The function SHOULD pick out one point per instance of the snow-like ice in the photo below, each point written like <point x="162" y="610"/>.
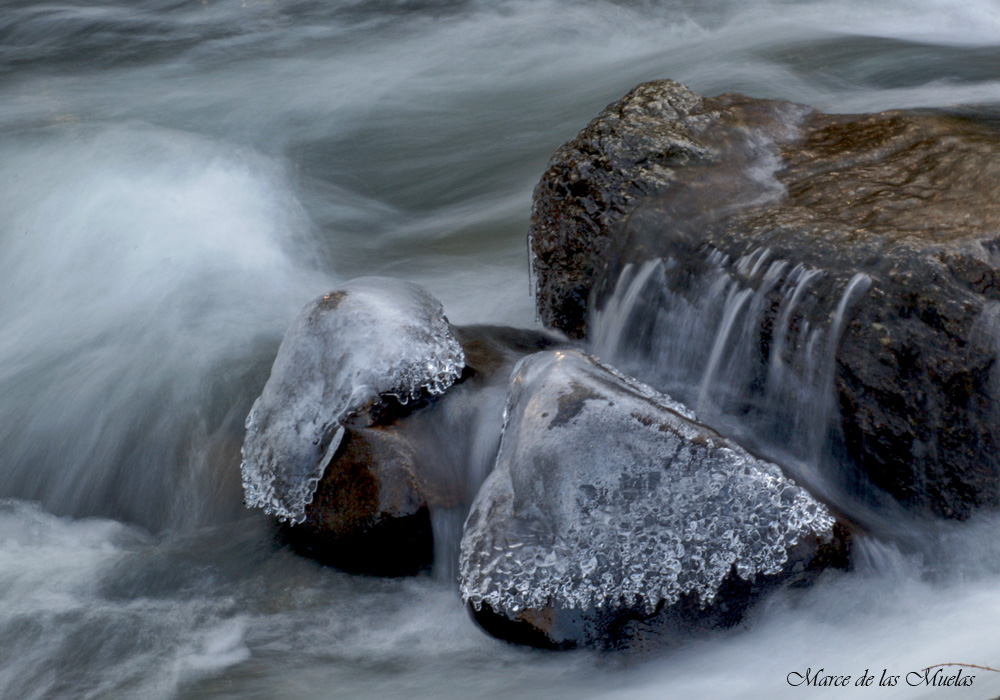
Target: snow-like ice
<point x="344" y="354"/>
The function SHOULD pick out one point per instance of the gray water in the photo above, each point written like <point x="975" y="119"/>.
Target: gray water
<point x="180" y="177"/>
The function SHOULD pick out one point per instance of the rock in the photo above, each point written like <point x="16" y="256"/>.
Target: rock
<point x="369" y="513"/>
<point x="635" y="148"/>
<point x="905" y="202"/>
<point x="612" y="514"/>
<point x="347" y="356"/>
<point x="360" y="408"/>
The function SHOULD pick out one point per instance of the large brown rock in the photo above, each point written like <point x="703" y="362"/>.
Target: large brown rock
<point x="906" y="203"/>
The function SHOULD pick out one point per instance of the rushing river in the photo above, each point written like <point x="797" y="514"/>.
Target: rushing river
<point x="178" y="177"/>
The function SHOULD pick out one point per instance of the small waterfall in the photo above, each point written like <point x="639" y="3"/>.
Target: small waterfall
<point x="735" y="301"/>
<point x="750" y="343"/>
<point x="617" y="314"/>
<point x="446" y="527"/>
<point x="875" y="557"/>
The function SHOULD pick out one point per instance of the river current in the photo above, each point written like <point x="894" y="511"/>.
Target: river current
<point x="178" y="177"/>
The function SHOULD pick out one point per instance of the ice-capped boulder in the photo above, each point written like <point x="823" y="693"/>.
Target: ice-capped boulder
<point x="609" y="502"/>
<point x="350" y="353"/>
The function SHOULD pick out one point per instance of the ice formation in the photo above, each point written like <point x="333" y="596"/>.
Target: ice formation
<point x="344" y="353"/>
<point x="605" y="495"/>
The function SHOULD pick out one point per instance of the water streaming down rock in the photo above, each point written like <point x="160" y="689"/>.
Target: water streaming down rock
<point x="447" y="525"/>
<point x="751" y="343"/>
<point x="344" y="356"/>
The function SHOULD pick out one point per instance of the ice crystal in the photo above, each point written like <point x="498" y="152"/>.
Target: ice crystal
<point x="605" y="495"/>
<point x="344" y="354"/>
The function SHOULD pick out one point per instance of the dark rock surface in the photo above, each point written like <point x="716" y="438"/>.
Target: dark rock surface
<point x="612" y="516"/>
<point x="907" y="199"/>
<point x="369" y="513"/>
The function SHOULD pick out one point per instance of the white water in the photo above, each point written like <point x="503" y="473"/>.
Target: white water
<point x="180" y="177"/>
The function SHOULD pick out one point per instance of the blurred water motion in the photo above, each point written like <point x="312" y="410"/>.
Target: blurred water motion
<point x="180" y="177"/>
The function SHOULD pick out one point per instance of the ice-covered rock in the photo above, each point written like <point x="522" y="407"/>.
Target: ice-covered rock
<point x="387" y="498"/>
<point x="347" y="354"/>
<point x="609" y="501"/>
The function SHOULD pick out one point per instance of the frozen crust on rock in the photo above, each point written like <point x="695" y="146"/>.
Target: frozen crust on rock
<point x="605" y="496"/>
<point x="344" y="354"/>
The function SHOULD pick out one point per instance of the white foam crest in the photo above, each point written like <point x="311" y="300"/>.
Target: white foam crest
<point x="134" y="262"/>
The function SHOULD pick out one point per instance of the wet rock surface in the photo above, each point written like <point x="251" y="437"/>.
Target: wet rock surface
<point x="612" y="516"/>
<point x="369" y="513"/>
<point x="906" y="199"/>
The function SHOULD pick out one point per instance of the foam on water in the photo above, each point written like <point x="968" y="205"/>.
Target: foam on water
<point x="68" y="634"/>
<point x="92" y="609"/>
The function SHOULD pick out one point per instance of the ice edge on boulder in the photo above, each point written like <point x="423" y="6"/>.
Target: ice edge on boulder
<point x="346" y="353"/>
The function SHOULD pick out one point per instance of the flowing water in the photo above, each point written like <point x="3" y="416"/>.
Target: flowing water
<point x="746" y="346"/>
<point x="179" y="177"/>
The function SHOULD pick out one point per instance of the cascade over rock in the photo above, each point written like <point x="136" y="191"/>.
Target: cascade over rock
<point x="900" y="208"/>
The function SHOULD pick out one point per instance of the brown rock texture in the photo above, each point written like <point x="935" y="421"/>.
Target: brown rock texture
<point x="368" y="514"/>
<point x="909" y="199"/>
